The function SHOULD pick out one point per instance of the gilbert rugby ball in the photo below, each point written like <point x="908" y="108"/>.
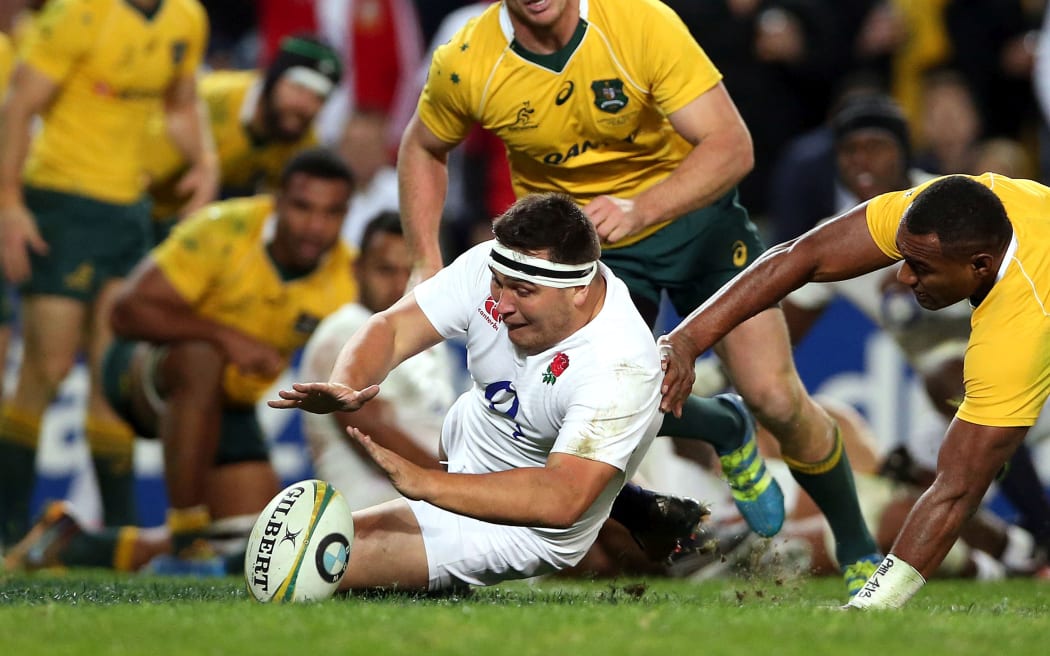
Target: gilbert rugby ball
<point x="300" y="544"/>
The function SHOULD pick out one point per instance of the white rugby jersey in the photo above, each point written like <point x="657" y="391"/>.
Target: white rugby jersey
<point x="419" y="390"/>
<point x="594" y="395"/>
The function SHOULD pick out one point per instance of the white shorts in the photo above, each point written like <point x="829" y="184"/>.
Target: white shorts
<point x="463" y="550"/>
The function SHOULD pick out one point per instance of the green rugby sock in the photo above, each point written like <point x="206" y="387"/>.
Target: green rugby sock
<point x="831" y="486"/>
<point x="712" y="420"/>
<point x="17" y="478"/>
<point x="112" y="445"/>
<point x="91" y="549"/>
<point x="116" y="486"/>
<point x="19" y="434"/>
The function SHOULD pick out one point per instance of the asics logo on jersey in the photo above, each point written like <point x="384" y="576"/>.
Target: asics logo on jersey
<point x="739" y="253"/>
<point x="564" y="94"/>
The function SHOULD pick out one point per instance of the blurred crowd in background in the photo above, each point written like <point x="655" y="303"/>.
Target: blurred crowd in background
<point x="967" y="74"/>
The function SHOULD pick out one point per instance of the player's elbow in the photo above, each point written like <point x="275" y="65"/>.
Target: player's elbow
<point x="566" y="510"/>
<point x="559" y="518"/>
<point x="742" y="153"/>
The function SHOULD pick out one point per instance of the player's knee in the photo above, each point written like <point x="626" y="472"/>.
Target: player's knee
<point x="776" y="401"/>
<point x="46" y="372"/>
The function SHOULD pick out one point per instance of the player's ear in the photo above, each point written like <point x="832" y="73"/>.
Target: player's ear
<point x="982" y="265"/>
<point x="580" y="295"/>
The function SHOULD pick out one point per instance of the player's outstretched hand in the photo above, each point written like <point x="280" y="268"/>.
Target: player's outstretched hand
<point x="406" y="477"/>
<point x="322" y="398"/>
<point x="678" y="363"/>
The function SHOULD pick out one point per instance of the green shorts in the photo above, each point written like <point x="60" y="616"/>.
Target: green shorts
<point x="691" y="257"/>
<point x="90" y="242"/>
<point x="160" y="228"/>
<point x="240" y="439"/>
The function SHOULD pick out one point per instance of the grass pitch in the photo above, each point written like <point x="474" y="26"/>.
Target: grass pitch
<point x="103" y="613"/>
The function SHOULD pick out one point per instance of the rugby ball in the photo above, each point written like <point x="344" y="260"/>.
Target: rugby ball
<point x="300" y="544"/>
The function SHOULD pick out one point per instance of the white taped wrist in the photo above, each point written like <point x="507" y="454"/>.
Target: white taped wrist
<point x="893" y="583"/>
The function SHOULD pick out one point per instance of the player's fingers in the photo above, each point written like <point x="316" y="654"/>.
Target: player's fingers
<point x="16" y="266"/>
<point x="291" y="395"/>
<point x="36" y="242"/>
<point x="616" y="232"/>
<point x="282" y="404"/>
<point x="367" y="394"/>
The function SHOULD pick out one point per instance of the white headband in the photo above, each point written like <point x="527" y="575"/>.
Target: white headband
<point x="538" y="270"/>
<point x="313" y="80"/>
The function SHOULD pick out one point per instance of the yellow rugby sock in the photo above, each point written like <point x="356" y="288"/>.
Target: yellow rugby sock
<point x="186" y="525"/>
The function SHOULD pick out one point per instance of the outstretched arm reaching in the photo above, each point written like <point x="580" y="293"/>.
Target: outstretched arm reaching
<point x="839" y="249"/>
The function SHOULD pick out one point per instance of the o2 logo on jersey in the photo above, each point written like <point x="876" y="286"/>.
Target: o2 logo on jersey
<point x="503" y="398"/>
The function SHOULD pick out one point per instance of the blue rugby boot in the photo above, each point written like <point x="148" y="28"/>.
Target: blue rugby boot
<point x="198" y="560"/>
<point x="757" y="494"/>
<point x="857" y="574"/>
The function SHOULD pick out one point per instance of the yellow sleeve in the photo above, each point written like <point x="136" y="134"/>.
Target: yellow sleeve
<point x="884" y="214"/>
<point x="678" y="69"/>
<point x="191" y="61"/>
<point x="444" y="105"/>
<point x="191" y="257"/>
<point x="7" y="55"/>
<point x="1006" y="378"/>
<point x="64" y="31"/>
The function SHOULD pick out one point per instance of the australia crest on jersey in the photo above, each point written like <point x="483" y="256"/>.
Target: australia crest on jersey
<point x="609" y="96"/>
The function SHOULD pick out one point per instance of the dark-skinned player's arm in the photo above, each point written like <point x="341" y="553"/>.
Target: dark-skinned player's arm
<point x="836" y="250"/>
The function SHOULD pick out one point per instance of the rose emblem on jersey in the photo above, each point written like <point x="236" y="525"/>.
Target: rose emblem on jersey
<point x="556" y="368"/>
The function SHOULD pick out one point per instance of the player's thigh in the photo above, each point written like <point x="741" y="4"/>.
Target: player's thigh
<point x="463" y="551"/>
<point x="388" y="550"/>
<point x="757" y="355"/>
<point x="51" y="336"/>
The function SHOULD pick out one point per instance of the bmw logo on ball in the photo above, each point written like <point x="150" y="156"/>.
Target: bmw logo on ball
<point x="331" y="557"/>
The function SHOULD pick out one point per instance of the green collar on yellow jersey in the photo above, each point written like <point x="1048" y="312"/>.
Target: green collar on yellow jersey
<point x="555" y="61"/>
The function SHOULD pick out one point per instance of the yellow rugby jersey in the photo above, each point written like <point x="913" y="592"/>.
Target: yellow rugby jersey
<point x="217" y="261"/>
<point x="588" y="120"/>
<point x="230" y="97"/>
<point x="1007" y="366"/>
<point x="7" y="56"/>
<point x="113" y="64"/>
